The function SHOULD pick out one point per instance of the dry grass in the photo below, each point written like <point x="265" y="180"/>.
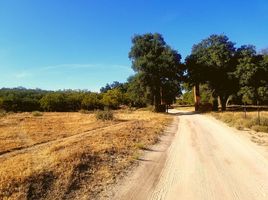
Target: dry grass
<point x="250" y="122"/>
<point x="184" y="108"/>
<point x="24" y="129"/>
<point x="78" y="157"/>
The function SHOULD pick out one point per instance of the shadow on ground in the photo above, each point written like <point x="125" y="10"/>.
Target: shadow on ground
<point x="179" y="113"/>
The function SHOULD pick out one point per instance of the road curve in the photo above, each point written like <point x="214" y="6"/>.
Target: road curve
<point x="202" y="160"/>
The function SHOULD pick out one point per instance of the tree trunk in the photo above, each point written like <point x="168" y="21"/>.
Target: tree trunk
<point x="157" y="99"/>
<point x="223" y="103"/>
<point x="228" y="100"/>
<point x="196" y="97"/>
<point x="215" y="104"/>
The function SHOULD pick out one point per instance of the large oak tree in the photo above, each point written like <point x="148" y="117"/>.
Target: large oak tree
<point x="158" y="66"/>
<point x="212" y="61"/>
<point x="252" y="72"/>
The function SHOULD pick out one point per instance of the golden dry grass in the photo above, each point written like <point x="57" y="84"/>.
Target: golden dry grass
<point x="250" y="122"/>
<point x="185" y="108"/>
<point x="70" y="155"/>
<point x="24" y="129"/>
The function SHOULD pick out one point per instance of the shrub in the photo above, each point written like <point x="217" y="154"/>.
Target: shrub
<point x="104" y="115"/>
<point x="37" y="113"/>
<point x="91" y="101"/>
<point x="112" y="98"/>
<point x="53" y="102"/>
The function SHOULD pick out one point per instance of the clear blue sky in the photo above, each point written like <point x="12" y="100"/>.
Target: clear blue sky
<point x="83" y="44"/>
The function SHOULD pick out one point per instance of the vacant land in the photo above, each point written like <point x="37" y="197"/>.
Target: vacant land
<point x="256" y="127"/>
<point x="70" y="155"/>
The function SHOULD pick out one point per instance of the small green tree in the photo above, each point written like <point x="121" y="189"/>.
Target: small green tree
<point x="53" y="102"/>
<point x="73" y="100"/>
<point x="91" y="101"/>
<point x="188" y="98"/>
<point x="136" y="94"/>
<point x="112" y="98"/>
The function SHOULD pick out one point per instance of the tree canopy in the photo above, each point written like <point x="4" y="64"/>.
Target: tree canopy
<point x="252" y="72"/>
<point x="227" y="70"/>
<point x="212" y="62"/>
<point x="221" y="70"/>
<point x="158" y="67"/>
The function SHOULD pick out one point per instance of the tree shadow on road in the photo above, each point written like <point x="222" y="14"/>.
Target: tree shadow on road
<point x="179" y="113"/>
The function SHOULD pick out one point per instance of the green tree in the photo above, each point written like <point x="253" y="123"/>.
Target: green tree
<point x="158" y="67"/>
<point x="91" y="101"/>
<point x="205" y="94"/>
<point x="73" y="100"/>
<point x="252" y="71"/>
<point x="113" y="98"/>
<point x="136" y="94"/>
<point x="196" y="74"/>
<point x="53" y="102"/>
<point x="20" y="99"/>
<point x="187" y="97"/>
<point x="212" y="61"/>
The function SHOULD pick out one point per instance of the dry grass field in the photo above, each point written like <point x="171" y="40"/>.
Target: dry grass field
<point x="250" y="122"/>
<point x="70" y="155"/>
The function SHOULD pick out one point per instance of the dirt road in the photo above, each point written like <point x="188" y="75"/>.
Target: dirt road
<point x="204" y="159"/>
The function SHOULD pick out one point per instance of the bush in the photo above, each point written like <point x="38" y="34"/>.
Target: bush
<point x="104" y="115"/>
<point x="55" y="101"/>
<point x="112" y="98"/>
<point x="91" y="101"/>
<point x="37" y="113"/>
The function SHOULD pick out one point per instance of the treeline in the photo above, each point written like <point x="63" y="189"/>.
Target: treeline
<point x="218" y="71"/>
<point x="158" y="75"/>
<point x="27" y="100"/>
